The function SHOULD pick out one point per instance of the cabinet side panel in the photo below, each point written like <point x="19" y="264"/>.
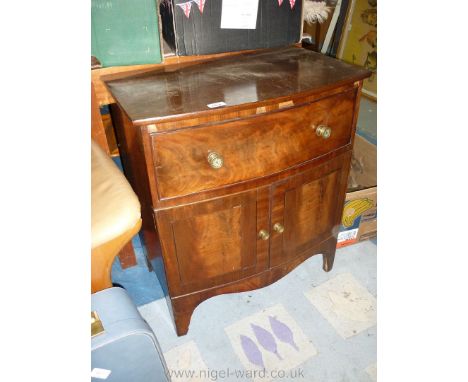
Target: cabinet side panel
<point x="133" y="161"/>
<point x="357" y="103"/>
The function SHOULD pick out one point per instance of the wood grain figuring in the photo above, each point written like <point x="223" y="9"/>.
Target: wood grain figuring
<point x="99" y="75"/>
<point x="247" y="78"/>
<point x="251" y="148"/>
<point x="213" y="242"/>
<point x="183" y="306"/>
<point x="132" y="156"/>
<point x="312" y="202"/>
<point x="229" y="189"/>
<point x="205" y="222"/>
<point x="305" y="205"/>
<point x="245" y="110"/>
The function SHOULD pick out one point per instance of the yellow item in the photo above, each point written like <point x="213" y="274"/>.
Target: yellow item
<point x="355" y="208"/>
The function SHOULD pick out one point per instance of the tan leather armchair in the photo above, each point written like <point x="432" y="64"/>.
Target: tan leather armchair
<point x="115" y="216"/>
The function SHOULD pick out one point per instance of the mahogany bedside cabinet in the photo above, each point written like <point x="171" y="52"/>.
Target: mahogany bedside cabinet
<point x="240" y="165"/>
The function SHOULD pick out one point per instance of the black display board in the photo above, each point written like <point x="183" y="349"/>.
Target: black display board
<point x="201" y="33"/>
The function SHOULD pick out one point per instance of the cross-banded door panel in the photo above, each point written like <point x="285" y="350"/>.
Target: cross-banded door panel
<point x="215" y="242"/>
<point x="306" y="209"/>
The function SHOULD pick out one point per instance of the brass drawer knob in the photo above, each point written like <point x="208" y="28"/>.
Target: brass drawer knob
<point x="215" y="160"/>
<point x="278" y="227"/>
<point x="323" y="131"/>
<point x="264" y="235"/>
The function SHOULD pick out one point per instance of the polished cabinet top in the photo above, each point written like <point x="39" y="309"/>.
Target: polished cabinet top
<point x="181" y="90"/>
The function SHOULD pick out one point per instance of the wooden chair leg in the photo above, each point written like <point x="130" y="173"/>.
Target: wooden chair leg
<point x="127" y="256"/>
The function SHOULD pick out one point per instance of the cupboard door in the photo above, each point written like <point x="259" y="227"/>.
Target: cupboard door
<point x="307" y="208"/>
<point x="212" y="243"/>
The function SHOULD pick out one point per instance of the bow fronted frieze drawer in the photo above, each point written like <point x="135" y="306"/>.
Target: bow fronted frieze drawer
<point x="185" y="160"/>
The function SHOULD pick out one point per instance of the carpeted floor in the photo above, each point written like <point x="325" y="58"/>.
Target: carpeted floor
<point x="310" y="325"/>
<point x="141" y="284"/>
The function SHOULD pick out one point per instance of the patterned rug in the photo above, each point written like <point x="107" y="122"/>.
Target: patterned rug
<point x="310" y="326"/>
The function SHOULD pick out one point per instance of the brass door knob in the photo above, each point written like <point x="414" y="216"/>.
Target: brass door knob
<point x="323" y="131"/>
<point x="278" y="227"/>
<point x="215" y="160"/>
<point x="263" y="234"/>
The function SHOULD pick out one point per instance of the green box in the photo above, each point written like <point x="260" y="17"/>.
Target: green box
<point x="125" y="32"/>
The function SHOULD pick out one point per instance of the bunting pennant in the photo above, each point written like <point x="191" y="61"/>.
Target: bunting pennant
<point x="186" y="8"/>
<point x="201" y="4"/>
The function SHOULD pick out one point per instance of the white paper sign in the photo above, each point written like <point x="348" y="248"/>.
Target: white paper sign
<point x="100" y="373"/>
<point x="216" y="104"/>
<point x="239" y="14"/>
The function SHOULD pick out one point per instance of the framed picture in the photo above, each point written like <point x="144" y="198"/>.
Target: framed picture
<point x="359" y="42"/>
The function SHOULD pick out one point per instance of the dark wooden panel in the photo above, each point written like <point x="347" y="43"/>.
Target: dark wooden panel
<point x="209" y="245"/>
<point x="310" y="208"/>
<point x="214" y="242"/>
<point x="242" y="186"/>
<point x="169" y="92"/>
<point x="306" y="205"/>
<point x="132" y="155"/>
<point x="251" y="148"/>
<point x="127" y="256"/>
<point x="243" y="111"/>
<point x="183" y="306"/>
<point x="202" y="33"/>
